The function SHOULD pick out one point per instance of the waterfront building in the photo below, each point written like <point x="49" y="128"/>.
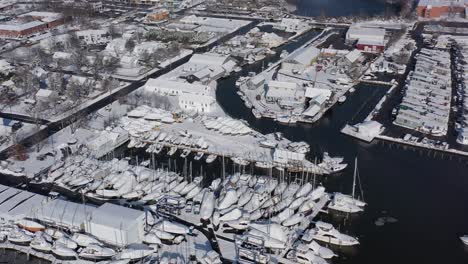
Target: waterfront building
<point x="369" y="39"/>
<point x="116" y="225"/>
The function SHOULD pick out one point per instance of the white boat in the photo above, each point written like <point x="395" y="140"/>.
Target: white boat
<point x="158" y="149"/>
<point x="304" y="190"/>
<point x="293" y="220"/>
<point x="19" y="237"/>
<point x="67" y="242"/>
<point x="317" y="193"/>
<point x="63" y="252"/>
<point x="172" y="227"/>
<point x="347" y="203"/>
<point x="136" y="252"/>
<point x="256" y="113"/>
<point x="283" y="119"/>
<point x="352" y="90"/>
<point x="305" y="257"/>
<point x="172" y="151"/>
<point x="464" y="239"/>
<point x="232" y="215"/>
<point x="208" y="206"/>
<point x="198" y="156"/>
<point x="211" y="158"/>
<point x="39" y="243"/>
<point x="185" y="153"/>
<point x="163" y="235"/>
<point x="54" y="233"/>
<point x="229" y="199"/>
<point x="253" y="256"/>
<point x="333" y="160"/>
<point x="342" y="99"/>
<point x="321" y="251"/>
<point x="325" y="232"/>
<point x="83" y="240"/>
<point x="211" y="257"/>
<point x="96" y="252"/>
<point x="152" y="238"/>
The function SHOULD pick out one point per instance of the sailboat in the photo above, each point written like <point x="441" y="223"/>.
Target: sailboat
<point x="347" y="203"/>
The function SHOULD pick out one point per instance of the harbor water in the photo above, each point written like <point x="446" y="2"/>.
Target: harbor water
<point x="347" y="8"/>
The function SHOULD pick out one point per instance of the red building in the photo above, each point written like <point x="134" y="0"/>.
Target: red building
<point x="441" y="8"/>
<point x="31" y="23"/>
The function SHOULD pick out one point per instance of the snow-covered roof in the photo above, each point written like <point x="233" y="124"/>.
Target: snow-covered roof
<point x="209" y="58"/>
<point x="312" y="111"/>
<point x="316" y="92"/>
<point x="282" y="85"/>
<point x="64" y="213"/>
<point x="161" y="83"/>
<point x="353" y="55"/>
<point x="198" y="99"/>
<point x="306" y="56"/>
<point x="115" y="216"/>
<point x="44" y="93"/>
<point x="16" y="204"/>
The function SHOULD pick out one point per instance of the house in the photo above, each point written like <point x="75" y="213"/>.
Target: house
<point x="93" y="36"/>
<point x="367" y="38"/>
<point x="46" y="96"/>
<point x="353" y="57"/>
<point x="173" y="88"/>
<point x="158" y="15"/>
<point x="198" y="61"/>
<point x="116" y="225"/>
<point x="196" y="103"/>
<point x="278" y="91"/>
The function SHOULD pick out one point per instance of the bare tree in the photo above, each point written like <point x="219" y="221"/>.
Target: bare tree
<point x="130" y="45"/>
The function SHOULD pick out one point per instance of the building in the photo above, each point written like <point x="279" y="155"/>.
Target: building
<point x="366" y="38"/>
<point x="116" y="225"/>
<point x="196" y="103"/>
<point x="93" y="36"/>
<point x="441" y="8"/>
<point x="278" y="91"/>
<point x="17" y="204"/>
<point x="158" y="15"/>
<point x="106" y="142"/>
<point x="46" y="96"/>
<point x="31" y="23"/>
<point x="173" y="88"/>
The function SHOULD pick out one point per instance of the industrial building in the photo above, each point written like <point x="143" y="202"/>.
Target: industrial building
<point x="31" y="23"/>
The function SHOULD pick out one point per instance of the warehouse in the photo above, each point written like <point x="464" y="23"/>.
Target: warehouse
<point x="116" y="225"/>
<point x="441" y="8"/>
<point x="369" y="39"/>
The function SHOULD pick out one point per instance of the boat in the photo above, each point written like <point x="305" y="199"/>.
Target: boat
<point x="347" y="203"/>
<point x="464" y="239"/>
<point x="211" y="257"/>
<point x="307" y="257"/>
<point x="54" y="233"/>
<point x="352" y="90"/>
<point x="19" y="237"/>
<point x="185" y="153"/>
<point x="284" y="54"/>
<point x="39" y="243"/>
<point x="333" y="160"/>
<point x="61" y="251"/>
<point x="208" y="206"/>
<point x="172" y="227"/>
<point x="256" y="113"/>
<point x="211" y="158"/>
<point x="152" y="239"/>
<point x="158" y="149"/>
<point x="283" y="119"/>
<point x="83" y="240"/>
<point x="96" y="252"/>
<point x="321" y="251"/>
<point x="67" y="242"/>
<point x="172" y="151"/>
<point x="30" y="225"/>
<point x="198" y="156"/>
<point x="237" y="69"/>
<point x="325" y="232"/>
<point x="136" y="252"/>
<point x="264" y="165"/>
<point x="342" y="99"/>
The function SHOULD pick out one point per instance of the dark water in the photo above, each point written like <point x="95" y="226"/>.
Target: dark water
<point x="336" y="8"/>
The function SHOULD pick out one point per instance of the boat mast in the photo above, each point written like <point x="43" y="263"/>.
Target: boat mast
<point x="354" y="177"/>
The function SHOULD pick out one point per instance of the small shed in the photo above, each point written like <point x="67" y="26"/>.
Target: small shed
<point x="46" y="96"/>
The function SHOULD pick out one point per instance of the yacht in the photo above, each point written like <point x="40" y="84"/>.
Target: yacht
<point x="211" y="257"/>
<point x="210" y="158"/>
<point x="83" y="240"/>
<point x="61" y="251"/>
<point x="307" y="257"/>
<point x="342" y="99"/>
<point x="152" y="239"/>
<point x="464" y="239"/>
<point x="96" y="252"/>
<point x="198" y="156"/>
<point x="136" y="252"/>
<point x="325" y="232"/>
<point x="321" y="251"/>
<point x="19" y="237"/>
<point x="67" y="242"/>
<point x="30" y="225"/>
<point x="172" y="151"/>
<point x="39" y="243"/>
<point x="352" y="90"/>
<point x="185" y="153"/>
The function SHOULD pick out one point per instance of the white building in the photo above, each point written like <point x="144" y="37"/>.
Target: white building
<point x="93" y="36"/>
<point x="278" y="90"/>
<point x="173" y="88"/>
<point x="46" y="96"/>
<point x="116" y="225"/>
<point x="106" y="142"/>
<point x="196" y="103"/>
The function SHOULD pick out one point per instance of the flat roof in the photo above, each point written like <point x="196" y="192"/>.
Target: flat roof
<point x="112" y="215"/>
